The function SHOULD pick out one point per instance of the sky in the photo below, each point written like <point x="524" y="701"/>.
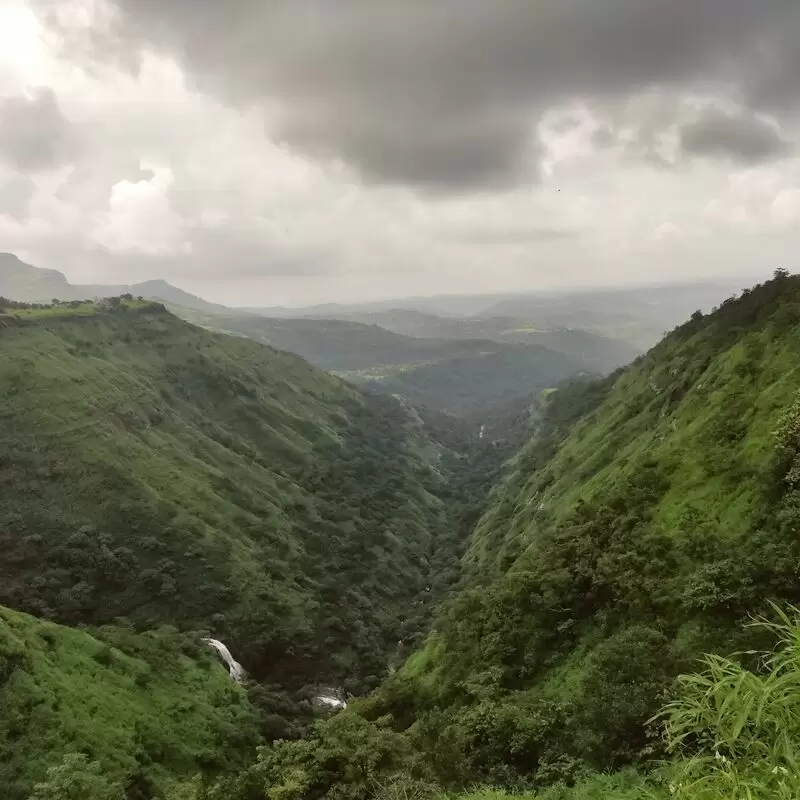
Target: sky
<point x="263" y="152"/>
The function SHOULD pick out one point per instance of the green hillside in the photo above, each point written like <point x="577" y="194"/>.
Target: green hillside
<point x="625" y="544"/>
<point x="647" y="518"/>
<point x="155" y="471"/>
<point x="152" y="709"/>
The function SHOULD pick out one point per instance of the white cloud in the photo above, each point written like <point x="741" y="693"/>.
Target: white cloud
<point x="785" y="207"/>
<point x="140" y="219"/>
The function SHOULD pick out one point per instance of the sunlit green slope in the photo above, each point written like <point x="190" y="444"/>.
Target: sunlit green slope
<point x="153" y="709"/>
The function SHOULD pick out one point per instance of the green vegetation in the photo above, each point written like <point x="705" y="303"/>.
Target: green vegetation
<point x="731" y="733"/>
<point x="156" y="474"/>
<point x="738" y="731"/>
<point x="150" y="710"/>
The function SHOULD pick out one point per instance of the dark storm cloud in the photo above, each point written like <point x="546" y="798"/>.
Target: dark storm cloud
<point x="446" y="94"/>
<point x="741" y="137"/>
<point x="34" y="135"/>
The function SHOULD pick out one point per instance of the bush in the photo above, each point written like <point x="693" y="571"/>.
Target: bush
<point x="737" y="731"/>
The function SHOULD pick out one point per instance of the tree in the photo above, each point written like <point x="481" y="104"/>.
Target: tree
<point x="77" y="778"/>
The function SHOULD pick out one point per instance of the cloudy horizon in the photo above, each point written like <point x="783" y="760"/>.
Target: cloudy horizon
<point x="298" y="152"/>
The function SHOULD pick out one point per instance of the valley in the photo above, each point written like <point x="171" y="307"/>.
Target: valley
<point x="334" y="588"/>
<point x="399" y="400"/>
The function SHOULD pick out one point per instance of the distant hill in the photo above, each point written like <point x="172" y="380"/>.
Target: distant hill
<point x="637" y="316"/>
<point x="336" y="345"/>
<point x="464" y="376"/>
<point x="452" y="305"/>
<point x="640" y="316"/>
<point x="597" y="352"/>
<point x="21" y="281"/>
<point x="29" y="284"/>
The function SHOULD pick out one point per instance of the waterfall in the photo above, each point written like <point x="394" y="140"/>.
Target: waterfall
<point x="236" y="669"/>
<point x="327" y="696"/>
<point x="330" y="699"/>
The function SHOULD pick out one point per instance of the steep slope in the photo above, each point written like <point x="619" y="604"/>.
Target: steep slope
<point x="647" y="518"/>
<point x="156" y="471"/>
<point x="151" y="709"/>
<point x="628" y="540"/>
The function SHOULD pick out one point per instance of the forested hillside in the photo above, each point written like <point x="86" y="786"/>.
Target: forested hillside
<point x="154" y="471"/>
<point x="650" y="515"/>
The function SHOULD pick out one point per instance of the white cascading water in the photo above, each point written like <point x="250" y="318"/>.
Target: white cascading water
<point x="236" y="669"/>
<point x="238" y="674"/>
<point x="331" y="700"/>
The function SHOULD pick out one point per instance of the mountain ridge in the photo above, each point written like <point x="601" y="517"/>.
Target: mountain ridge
<point x="28" y="284"/>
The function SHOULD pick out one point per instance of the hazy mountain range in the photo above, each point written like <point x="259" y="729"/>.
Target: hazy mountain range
<point x="465" y="355"/>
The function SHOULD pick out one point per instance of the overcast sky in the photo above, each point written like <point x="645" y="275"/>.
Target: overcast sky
<point x="298" y="151"/>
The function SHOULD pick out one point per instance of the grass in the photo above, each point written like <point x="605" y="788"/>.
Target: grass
<point x="619" y="786"/>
